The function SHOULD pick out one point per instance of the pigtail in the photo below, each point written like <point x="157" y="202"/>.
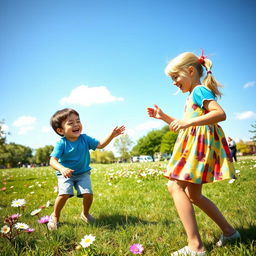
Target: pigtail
<point x="209" y="81"/>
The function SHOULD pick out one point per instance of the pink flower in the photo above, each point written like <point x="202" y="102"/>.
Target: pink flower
<point x="137" y="249"/>
<point x="15" y="216"/>
<point x="44" y="219"/>
<point x="29" y="230"/>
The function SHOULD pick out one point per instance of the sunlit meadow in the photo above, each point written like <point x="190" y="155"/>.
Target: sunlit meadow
<point x="134" y="213"/>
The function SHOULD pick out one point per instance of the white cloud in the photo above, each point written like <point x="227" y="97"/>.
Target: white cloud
<point x="245" y="115"/>
<point x="140" y="129"/>
<point x="87" y="96"/>
<point x="25" y="124"/>
<point x="148" y="125"/>
<point x="250" y="84"/>
<point x="45" y="129"/>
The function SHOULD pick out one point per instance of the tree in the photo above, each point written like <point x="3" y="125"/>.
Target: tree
<point x="17" y="155"/>
<point x="253" y="138"/>
<point x="104" y="157"/>
<point x="242" y="147"/>
<point x="149" y="144"/>
<point x="42" y="155"/>
<point x="122" y="145"/>
<point x="3" y="150"/>
<point x="2" y="133"/>
<point x="168" y="141"/>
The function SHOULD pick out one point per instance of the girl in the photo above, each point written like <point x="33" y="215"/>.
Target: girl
<point x="201" y="154"/>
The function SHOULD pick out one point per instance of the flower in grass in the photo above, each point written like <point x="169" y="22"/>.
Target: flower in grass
<point x="18" y="203"/>
<point x="5" y="229"/>
<point x="15" y="216"/>
<point x="44" y="219"/>
<point x="87" y="240"/>
<point x="137" y="249"/>
<point x="35" y="212"/>
<point x="29" y="230"/>
<point x="48" y="203"/>
<point x="20" y="225"/>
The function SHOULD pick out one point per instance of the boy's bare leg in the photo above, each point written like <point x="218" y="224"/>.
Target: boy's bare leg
<point x="87" y="202"/>
<point x="59" y="204"/>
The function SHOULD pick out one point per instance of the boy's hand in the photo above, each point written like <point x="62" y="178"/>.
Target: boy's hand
<point x="155" y="112"/>
<point x="118" y="131"/>
<point x="67" y="173"/>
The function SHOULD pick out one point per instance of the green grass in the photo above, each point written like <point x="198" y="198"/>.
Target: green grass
<point x="131" y="205"/>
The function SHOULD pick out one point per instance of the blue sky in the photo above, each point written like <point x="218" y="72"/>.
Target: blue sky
<point x="106" y="60"/>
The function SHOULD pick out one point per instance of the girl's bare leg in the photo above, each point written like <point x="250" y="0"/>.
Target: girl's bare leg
<point x="186" y="213"/>
<point x="194" y="193"/>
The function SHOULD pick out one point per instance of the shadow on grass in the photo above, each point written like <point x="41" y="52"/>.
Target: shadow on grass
<point x="117" y="220"/>
<point x="248" y="234"/>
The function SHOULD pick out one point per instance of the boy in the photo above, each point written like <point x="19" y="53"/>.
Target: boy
<point x="71" y="159"/>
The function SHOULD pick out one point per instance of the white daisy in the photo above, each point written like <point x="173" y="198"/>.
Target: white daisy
<point x="48" y="204"/>
<point x="18" y="203"/>
<point x="20" y="225"/>
<point x="87" y="240"/>
<point x="5" y="229"/>
<point x="35" y="212"/>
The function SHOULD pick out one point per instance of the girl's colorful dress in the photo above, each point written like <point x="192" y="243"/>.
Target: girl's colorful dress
<point x="201" y="153"/>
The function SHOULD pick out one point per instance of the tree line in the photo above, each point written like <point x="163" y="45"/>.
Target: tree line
<point x="156" y="141"/>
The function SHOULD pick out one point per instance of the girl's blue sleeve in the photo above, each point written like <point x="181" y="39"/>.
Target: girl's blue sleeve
<point x="200" y="94"/>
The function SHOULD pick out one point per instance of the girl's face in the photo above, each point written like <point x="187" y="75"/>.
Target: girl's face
<point x="183" y="81"/>
<point x="71" y="127"/>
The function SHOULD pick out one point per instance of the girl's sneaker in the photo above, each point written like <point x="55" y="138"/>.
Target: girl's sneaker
<point x="225" y="239"/>
<point x="186" y="251"/>
<point x="52" y="224"/>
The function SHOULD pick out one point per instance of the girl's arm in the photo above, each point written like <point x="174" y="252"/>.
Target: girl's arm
<point x="159" y="114"/>
<point x="116" y="132"/>
<point x="66" y="172"/>
<point x="215" y="114"/>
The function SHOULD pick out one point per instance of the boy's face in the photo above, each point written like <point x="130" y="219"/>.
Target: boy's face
<point x="71" y="128"/>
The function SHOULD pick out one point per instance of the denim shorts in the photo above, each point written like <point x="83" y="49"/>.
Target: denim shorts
<point x="81" y="183"/>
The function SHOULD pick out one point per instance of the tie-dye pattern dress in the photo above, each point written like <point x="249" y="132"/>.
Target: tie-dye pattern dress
<point x="201" y="153"/>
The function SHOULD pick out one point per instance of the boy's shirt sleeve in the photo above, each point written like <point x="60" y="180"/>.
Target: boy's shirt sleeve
<point x="92" y="142"/>
<point x="58" y="149"/>
<point x="200" y="94"/>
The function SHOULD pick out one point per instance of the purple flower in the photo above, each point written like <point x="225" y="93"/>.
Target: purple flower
<point x="137" y="249"/>
<point x="44" y="219"/>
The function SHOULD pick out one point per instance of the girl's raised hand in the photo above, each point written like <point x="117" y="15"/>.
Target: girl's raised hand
<point x="155" y="112"/>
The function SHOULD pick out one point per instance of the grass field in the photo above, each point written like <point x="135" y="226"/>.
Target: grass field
<point x="131" y="205"/>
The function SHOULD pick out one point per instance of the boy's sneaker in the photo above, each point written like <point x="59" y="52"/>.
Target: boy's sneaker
<point x="52" y="224"/>
<point x="225" y="239"/>
<point x="88" y="219"/>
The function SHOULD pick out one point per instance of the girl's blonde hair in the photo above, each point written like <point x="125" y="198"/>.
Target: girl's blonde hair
<point x="186" y="59"/>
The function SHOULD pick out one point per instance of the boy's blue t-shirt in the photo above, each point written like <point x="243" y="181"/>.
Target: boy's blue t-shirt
<point x="200" y="94"/>
<point x="75" y="155"/>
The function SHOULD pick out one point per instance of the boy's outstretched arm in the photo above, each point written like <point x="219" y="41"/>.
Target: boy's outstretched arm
<point x="116" y="132"/>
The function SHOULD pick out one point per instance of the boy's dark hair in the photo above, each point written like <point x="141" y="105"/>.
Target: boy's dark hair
<point x="60" y="116"/>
